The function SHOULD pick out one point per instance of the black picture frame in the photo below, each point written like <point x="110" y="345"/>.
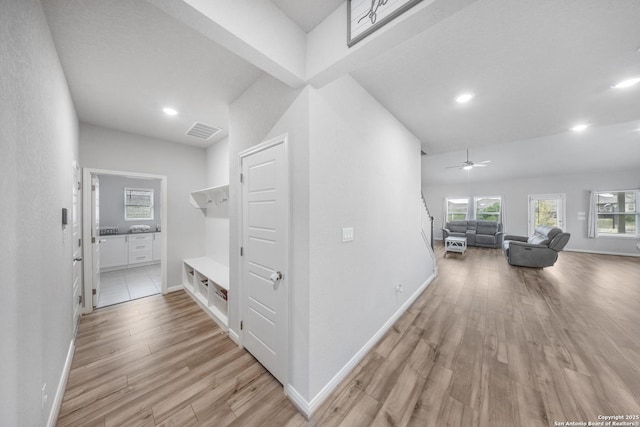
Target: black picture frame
<point x="370" y="17"/>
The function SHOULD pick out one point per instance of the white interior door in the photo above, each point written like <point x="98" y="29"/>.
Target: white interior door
<point x="95" y="237"/>
<point x="265" y="230"/>
<point x="76" y="241"/>
<point x="546" y="209"/>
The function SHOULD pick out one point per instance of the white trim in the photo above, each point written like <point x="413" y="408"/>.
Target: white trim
<point x="475" y="207"/>
<point x="308" y="408"/>
<point x="597" y="214"/>
<point x="562" y="209"/>
<point x="584" y="251"/>
<point x="62" y="385"/>
<point x="152" y="206"/>
<point x="284" y="140"/>
<point x="618" y="236"/>
<point x="175" y="288"/>
<point x="86" y="231"/>
<point x="446" y="208"/>
<point x="235" y="337"/>
<point x="298" y="401"/>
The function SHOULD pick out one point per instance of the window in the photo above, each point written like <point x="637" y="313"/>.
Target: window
<point x="617" y="212"/>
<point x="546" y="209"/>
<point x="488" y="208"/>
<point x="138" y="204"/>
<point x="457" y="209"/>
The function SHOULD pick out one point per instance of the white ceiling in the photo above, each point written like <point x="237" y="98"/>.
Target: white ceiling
<point x="307" y="14"/>
<point x="608" y="148"/>
<point x="126" y="60"/>
<point x="537" y="67"/>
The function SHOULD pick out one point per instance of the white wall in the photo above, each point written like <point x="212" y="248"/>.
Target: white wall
<point x="516" y="191"/>
<point x="185" y="168"/>
<point x="352" y="164"/>
<point x="295" y="123"/>
<point x="266" y="109"/>
<point x="38" y="141"/>
<point x="112" y="201"/>
<point x="365" y="174"/>
<point x="217" y="217"/>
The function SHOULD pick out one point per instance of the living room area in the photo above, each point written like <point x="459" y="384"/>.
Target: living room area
<point x="587" y="188"/>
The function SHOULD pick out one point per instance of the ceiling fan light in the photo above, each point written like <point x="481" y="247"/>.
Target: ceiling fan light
<point x="467" y="167"/>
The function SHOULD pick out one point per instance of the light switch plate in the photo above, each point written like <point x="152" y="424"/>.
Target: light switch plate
<point x="347" y="234"/>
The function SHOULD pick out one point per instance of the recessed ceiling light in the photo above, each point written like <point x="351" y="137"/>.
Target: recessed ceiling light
<point x="465" y="97"/>
<point x="170" y="111"/>
<point x="580" y="127"/>
<point x="627" y="83"/>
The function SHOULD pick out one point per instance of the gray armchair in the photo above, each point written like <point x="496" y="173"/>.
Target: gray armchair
<point x="539" y="250"/>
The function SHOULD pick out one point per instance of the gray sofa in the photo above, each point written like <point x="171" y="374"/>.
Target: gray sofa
<point x="539" y="250"/>
<point x="487" y="234"/>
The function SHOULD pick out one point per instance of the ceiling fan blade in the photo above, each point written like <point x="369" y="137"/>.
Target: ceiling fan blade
<point x="479" y="165"/>
<point x="452" y="167"/>
<point x="486" y="161"/>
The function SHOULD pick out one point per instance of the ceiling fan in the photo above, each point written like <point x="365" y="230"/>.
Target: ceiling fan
<point x="468" y="164"/>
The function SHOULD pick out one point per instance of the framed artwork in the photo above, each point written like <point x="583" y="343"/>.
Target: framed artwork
<point x="366" y="16"/>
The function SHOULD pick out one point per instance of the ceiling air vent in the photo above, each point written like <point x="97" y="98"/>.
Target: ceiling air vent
<point x="202" y="131"/>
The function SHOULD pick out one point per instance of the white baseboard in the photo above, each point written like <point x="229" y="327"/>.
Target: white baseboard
<point x="175" y="288"/>
<point x="298" y="401"/>
<point x="235" y="337"/>
<point x="601" y="252"/>
<point x="62" y="385"/>
<point x="308" y="408"/>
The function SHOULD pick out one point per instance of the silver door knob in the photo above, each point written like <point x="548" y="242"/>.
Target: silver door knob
<point x="276" y="277"/>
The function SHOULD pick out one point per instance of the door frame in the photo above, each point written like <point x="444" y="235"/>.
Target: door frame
<point x="281" y="139"/>
<point x="77" y="185"/>
<point x="547" y="196"/>
<point x="87" y="173"/>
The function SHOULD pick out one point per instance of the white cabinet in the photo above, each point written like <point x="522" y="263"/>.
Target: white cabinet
<point x="157" y="246"/>
<point x="140" y="248"/>
<point x="207" y="281"/>
<point x="129" y="250"/>
<point x="113" y="251"/>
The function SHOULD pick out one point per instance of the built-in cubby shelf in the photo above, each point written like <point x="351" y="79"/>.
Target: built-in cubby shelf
<point x="208" y="197"/>
<point x="207" y="281"/>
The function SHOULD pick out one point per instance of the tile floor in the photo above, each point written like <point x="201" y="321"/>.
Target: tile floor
<point x="131" y="283"/>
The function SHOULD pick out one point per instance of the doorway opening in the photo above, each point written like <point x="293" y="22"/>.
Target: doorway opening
<point x="125" y="250"/>
<point x="546" y="209"/>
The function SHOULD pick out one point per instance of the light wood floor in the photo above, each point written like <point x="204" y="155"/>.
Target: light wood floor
<point x="492" y="345"/>
<point x="161" y="361"/>
<point x="485" y="345"/>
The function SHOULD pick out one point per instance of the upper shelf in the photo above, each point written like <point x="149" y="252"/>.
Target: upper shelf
<point x="214" y="195"/>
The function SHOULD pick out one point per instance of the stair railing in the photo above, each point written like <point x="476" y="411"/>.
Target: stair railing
<point x="427" y="223"/>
